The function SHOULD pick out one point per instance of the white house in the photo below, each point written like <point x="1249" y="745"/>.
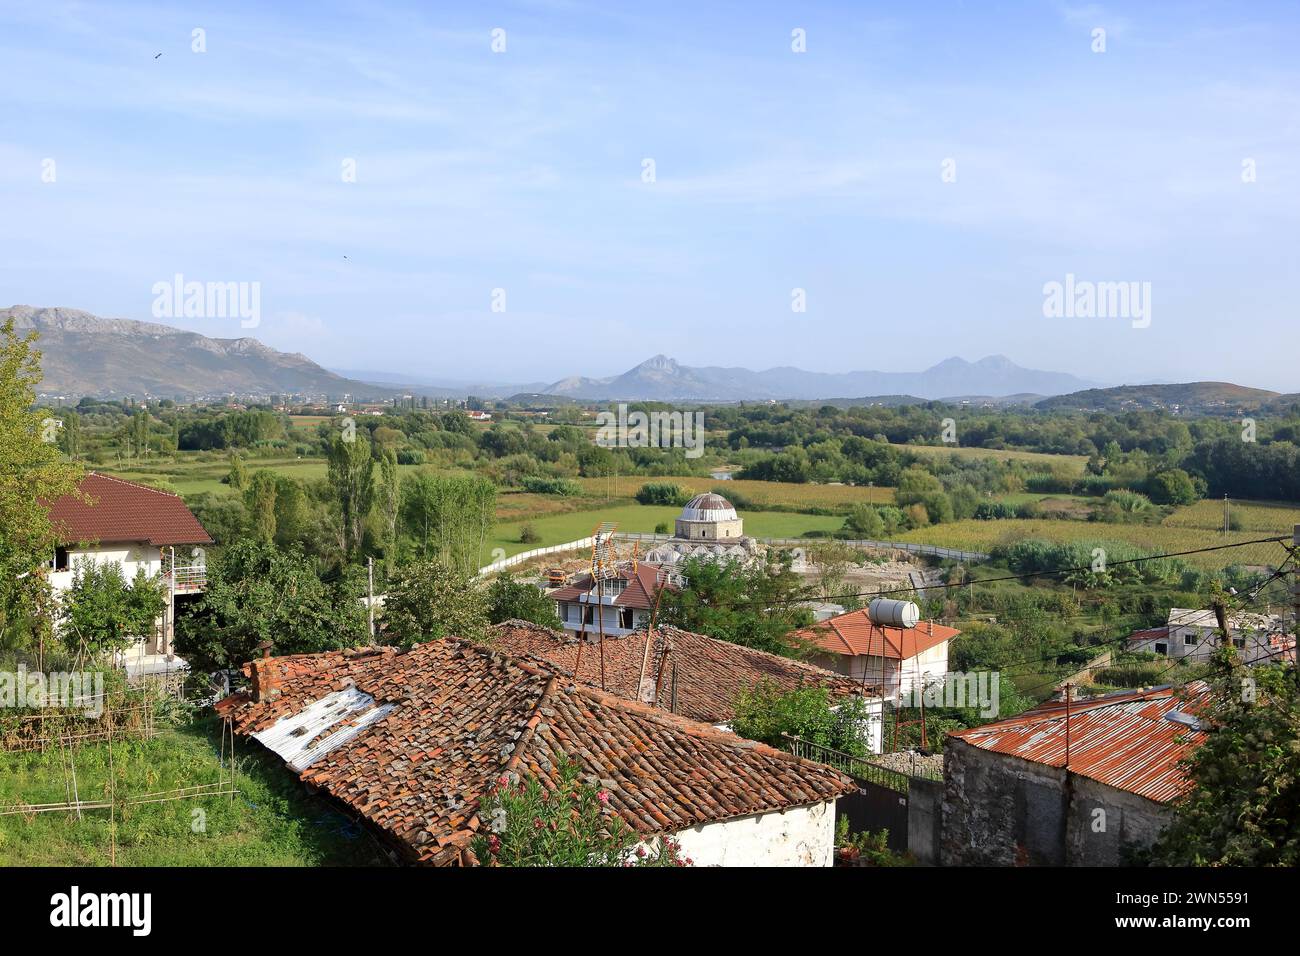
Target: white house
<point x="894" y="660"/>
<point x="140" y="528"/>
<point x="1193" y="634"/>
<point x="614" y="606"/>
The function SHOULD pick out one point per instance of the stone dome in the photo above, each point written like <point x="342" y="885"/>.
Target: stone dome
<point x="708" y="507"/>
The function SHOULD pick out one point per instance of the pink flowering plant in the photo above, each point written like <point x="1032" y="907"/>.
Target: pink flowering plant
<point x="563" y="822"/>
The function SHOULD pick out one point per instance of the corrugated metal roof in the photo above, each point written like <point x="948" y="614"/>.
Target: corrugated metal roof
<point x="1125" y="740"/>
<point x="303" y="738"/>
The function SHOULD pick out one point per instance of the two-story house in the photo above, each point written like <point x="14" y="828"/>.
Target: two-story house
<point x="613" y="606"/>
<point x="140" y="528"/>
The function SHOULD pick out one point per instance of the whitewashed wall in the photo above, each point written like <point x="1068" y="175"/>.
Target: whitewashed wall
<point x="131" y="557"/>
<point x="802" y="836"/>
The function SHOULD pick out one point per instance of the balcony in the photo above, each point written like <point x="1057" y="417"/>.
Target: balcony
<point x="186" y="578"/>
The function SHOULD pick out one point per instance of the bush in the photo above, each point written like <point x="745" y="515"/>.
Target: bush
<point x="528" y="535"/>
<point x="765" y="714"/>
<point x="567" y="823"/>
<point x="552" y="486"/>
<point x="663" y="527"/>
<point x="410" y="456"/>
<point x="662" y="493"/>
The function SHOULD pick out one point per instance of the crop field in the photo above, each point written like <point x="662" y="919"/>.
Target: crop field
<point x="1267" y="516"/>
<point x="1073" y="464"/>
<point x="976" y="535"/>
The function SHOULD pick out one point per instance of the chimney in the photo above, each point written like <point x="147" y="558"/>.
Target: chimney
<point x="264" y="676"/>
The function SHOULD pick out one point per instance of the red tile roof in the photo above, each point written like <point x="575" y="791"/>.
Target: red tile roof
<point x="710" y="673"/>
<point x="117" y="510"/>
<point x="1123" y="740"/>
<point x="640" y="591"/>
<point x="462" y="714"/>
<point x="854" y="633"/>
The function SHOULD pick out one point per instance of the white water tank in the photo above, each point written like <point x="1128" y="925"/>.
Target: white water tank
<point x="891" y="613"/>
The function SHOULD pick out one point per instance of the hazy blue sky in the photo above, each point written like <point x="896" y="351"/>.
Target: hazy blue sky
<point x="522" y="170"/>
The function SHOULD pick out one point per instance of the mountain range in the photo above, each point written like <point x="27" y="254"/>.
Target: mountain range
<point x="84" y="354"/>
<point x="88" y="355"/>
<point x="664" y="379"/>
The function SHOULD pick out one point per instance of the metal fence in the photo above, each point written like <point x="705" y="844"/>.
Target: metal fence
<point x="861" y="768"/>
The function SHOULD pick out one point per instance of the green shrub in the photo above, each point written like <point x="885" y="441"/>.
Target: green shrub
<point x="662" y="493"/>
<point x="552" y="486"/>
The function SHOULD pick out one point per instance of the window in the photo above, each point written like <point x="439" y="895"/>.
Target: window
<point x="1239" y="642"/>
<point x="1162" y="648"/>
<point x="625" y="617"/>
<point x="1190" y="640"/>
<point x="587" y="616"/>
<point x="61" y="559"/>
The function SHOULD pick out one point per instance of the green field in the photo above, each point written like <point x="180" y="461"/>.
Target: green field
<point x="270" y="822"/>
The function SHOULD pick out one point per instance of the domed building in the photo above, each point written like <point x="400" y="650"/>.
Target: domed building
<point x="709" y="517"/>
<point x="707" y="527"/>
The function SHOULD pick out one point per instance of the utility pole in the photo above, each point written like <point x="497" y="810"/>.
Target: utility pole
<point x="1295" y="606"/>
<point x="1225" y="514"/>
<point x="1068" y="688"/>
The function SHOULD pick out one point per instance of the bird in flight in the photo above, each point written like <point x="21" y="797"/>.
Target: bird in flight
<point x="156" y="55"/>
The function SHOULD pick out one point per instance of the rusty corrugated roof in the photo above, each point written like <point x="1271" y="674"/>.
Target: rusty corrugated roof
<point x="1123" y="740"/>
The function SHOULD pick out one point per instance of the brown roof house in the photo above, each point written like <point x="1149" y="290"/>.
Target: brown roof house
<point x="690" y="674"/>
<point x="410" y="740"/>
<point x="1068" y="786"/>
<point x="616" y="605"/>
<point x="140" y="528"/>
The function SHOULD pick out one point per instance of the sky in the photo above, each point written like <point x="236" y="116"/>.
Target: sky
<point x="524" y="191"/>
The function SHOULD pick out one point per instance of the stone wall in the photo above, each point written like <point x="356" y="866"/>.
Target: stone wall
<point x="1000" y="810"/>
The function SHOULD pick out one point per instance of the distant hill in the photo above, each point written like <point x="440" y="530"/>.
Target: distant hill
<point x="664" y="379"/>
<point x="1206" y="398"/>
<point x="83" y="354"/>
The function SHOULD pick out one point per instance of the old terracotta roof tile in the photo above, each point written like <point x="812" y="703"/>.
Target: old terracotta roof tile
<point x="473" y="713"/>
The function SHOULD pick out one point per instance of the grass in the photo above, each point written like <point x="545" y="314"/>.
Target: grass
<point x="271" y="822"/>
